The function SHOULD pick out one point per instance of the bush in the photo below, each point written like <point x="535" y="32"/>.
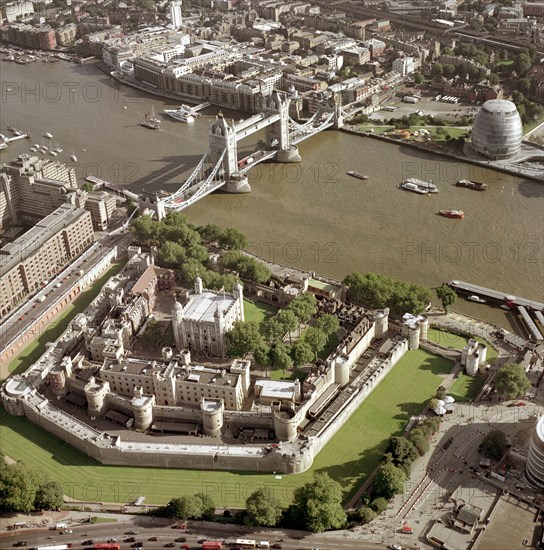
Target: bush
<point x="379" y="505"/>
<point x="366" y="514"/>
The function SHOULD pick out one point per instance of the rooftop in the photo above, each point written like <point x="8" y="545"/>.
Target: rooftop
<point x="202" y="307"/>
<point x="276" y="389"/>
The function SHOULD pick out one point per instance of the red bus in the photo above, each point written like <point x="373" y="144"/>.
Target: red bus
<point x="212" y="545"/>
<point x="107" y="546"/>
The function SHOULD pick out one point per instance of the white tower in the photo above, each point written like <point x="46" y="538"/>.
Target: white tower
<point x="175" y="14"/>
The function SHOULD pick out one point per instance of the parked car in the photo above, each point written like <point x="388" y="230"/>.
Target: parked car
<point x="181" y="539"/>
<point x="87" y="542"/>
<point x="521" y="404"/>
<point x="20" y="543"/>
<point x="153" y="538"/>
<point x="170" y="545"/>
<point x="130" y="539"/>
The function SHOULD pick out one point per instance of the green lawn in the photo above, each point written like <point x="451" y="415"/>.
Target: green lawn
<point x="350" y="456"/>
<point x="447" y="339"/>
<point x="465" y="387"/>
<point x="258" y="311"/>
<point x="35" y="350"/>
<point x="456" y="341"/>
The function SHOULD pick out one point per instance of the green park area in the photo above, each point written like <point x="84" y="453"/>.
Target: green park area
<point x="465" y="388"/>
<point x="350" y="456"/>
<point x="36" y="349"/>
<point x="258" y="311"/>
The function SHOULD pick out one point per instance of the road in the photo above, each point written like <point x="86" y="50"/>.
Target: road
<point x="145" y="530"/>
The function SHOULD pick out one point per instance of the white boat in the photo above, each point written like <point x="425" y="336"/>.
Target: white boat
<point x="44" y="148"/>
<point x="48" y="135"/>
<point x="419" y="186"/>
<point x="73" y="156"/>
<point x="3" y="145"/>
<point x="53" y="153"/>
<point x="181" y="115"/>
<point x="33" y="149"/>
<point x="475" y="298"/>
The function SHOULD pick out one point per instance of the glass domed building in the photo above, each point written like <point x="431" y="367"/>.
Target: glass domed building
<point x="535" y="460"/>
<point x="497" y="131"/>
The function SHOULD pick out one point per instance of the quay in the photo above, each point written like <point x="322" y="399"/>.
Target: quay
<point x="496" y="295"/>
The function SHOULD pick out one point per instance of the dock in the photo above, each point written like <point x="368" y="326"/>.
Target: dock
<point x="530" y="311"/>
<point x="495" y="295"/>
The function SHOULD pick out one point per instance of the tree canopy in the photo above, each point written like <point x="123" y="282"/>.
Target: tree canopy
<point x="494" y="444"/>
<point x="319" y="504"/>
<point x="262" y="508"/>
<point x="379" y="291"/>
<point x="23" y="489"/>
<point x="511" y="381"/>
<point x="447" y="296"/>
<point x="389" y="481"/>
<point x="243" y="338"/>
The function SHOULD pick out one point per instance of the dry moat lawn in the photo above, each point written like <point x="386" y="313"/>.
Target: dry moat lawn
<point x="350" y="456"/>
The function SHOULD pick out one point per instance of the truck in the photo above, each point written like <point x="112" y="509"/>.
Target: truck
<point x="410" y="99"/>
<point x="60" y="526"/>
<point x="81" y="272"/>
<point x="41" y="298"/>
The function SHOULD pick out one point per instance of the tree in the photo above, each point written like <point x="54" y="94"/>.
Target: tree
<point x="511" y="381"/>
<point x="302" y="353"/>
<point x="493" y="79"/>
<point x="316" y="339"/>
<point x="379" y="505"/>
<point x="247" y="267"/>
<point x="145" y="230"/>
<point x="421" y="443"/>
<point x="280" y="358"/>
<point x="440" y="392"/>
<point x="262" y="508"/>
<point x="402" y="450"/>
<point x="210" y="233"/>
<point x="329" y="324"/>
<point x="494" y="444"/>
<point x="418" y="78"/>
<point x="319" y="504"/>
<point x="522" y="63"/>
<point x="171" y="255"/>
<point x="49" y="496"/>
<point x="449" y="70"/>
<point x="232" y="239"/>
<point x="243" y="338"/>
<point x="437" y="70"/>
<point x="207" y="506"/>
<point x="261" y="354"/>
<point x="274" y="329"/>
<point x="288" y="320"/>
<point x="153" y="333"/>
<point x="184" y="507"/>
<point x="304" y="306"/>
<point x="18" y="487"/>
<point x="389" y="481"/>
<point x="366" y="514"/>
<point x="524" y="85"/>
<point x="87" y="186"/>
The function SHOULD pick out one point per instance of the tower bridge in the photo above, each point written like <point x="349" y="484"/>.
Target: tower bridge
<point x="220" y="167"/>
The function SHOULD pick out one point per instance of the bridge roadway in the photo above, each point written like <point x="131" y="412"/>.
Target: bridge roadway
<point x="207" y="179"/>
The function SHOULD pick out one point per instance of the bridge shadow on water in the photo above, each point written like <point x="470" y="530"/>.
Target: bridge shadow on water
<point x="171" y="173"/>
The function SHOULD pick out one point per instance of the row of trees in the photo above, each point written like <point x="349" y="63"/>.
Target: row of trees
<point x="265" y="342"/>
<point x="390" y="477"/>
<point x="23" y="489"/>
<point x="185" y="247"/>
<point x="316" y="507"/>
<point x="379" y="291"/>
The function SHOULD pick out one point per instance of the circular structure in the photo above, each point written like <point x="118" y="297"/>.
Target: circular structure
<point x="497" y="131"/>
<point x="535" y="459"/>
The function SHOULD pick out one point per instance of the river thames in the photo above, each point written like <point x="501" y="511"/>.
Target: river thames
<point x="309" y="215"/>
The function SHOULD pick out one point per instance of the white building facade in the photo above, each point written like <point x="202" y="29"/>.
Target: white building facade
<point x="201" y="324"/>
